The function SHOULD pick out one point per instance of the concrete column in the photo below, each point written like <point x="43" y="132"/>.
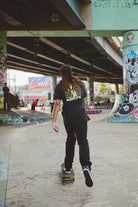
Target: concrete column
<point x="116" y="88"/>
<point x="130" y="58"/>
<point x="3" y="64"/>
<point x="90" y="91"/>
<point x="128" y="101"/>
<point x="53" y="84"/>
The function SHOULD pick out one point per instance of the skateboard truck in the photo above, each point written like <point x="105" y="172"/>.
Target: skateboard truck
<point x="67" y="177"/>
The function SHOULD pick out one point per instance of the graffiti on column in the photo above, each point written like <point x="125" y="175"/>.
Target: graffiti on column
<point x="3" y="63"/>
<point x="3" y="75"/>
<point x="115" y="3"/>
<point x="128" y="108"/>
<point x="136" y="2"/>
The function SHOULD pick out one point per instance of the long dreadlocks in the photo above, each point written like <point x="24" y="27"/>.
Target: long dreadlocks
<point x="67" y="78"/>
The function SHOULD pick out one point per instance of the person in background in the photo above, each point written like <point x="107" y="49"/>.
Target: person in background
<point x="6" y="91"/>
<point x="34" y="104"/>
<point x="52" y="106"/>
<point x="73" y="93"/>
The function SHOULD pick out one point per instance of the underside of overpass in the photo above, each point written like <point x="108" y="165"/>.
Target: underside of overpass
<point x="44" y="54"/>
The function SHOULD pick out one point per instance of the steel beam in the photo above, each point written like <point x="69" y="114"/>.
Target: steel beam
<point x="69" y="13"/>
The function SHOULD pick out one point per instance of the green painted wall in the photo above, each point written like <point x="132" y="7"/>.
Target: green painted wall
<point x="114" y="15"/>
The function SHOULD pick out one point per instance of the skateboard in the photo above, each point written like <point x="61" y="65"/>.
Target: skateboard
<point x="67" y="177"/>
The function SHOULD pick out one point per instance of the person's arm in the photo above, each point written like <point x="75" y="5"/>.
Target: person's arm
<point x="55" y="114"/>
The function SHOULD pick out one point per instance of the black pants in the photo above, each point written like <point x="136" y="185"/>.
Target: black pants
<point x="33" y="107"/>
<point x="6" y="104"/>
<point x="52" y="106"/>
<point x="77" y="131"/>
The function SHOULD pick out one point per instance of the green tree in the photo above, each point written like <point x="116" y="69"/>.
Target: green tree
<point x="49" y="96"/>
<point x="121" y="89"/>
<point x="104" y="89"/>
<point x="26" y="86"/>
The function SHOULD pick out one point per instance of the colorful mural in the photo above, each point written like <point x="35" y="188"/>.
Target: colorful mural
<point x="39" y="82"/>
<point x="3" y="65"/>
<point x="128" y="108"/>
<point x="3" y="78"/>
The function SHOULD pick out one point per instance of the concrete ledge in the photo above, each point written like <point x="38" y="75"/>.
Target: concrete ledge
<point x="23" y="118"/>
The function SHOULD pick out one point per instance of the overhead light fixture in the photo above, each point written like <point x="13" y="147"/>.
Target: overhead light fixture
<point x="54" y="18"/>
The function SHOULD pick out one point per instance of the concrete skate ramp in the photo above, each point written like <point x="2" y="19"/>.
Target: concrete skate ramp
<point x="23" y="117"/>
<point x="116" y="104"/>
<point x="34" y="115"/>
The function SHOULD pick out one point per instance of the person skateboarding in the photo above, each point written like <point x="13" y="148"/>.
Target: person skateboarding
<point x="73" y="93"/>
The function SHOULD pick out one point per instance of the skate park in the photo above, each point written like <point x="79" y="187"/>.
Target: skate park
<point x="31" y="155"/>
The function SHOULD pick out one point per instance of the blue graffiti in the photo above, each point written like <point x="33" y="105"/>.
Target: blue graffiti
<point x="1" y="204"/>
<point x="128" y="118"/>
<point x="130" y="54"/>
<point x="52" y="155"/>
<point x="3" y="166"/>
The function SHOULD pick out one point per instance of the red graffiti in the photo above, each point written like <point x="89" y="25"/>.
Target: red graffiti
<point x="135" y="112"/>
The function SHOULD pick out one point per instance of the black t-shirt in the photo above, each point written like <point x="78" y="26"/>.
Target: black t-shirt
<point x="73" y="102"/>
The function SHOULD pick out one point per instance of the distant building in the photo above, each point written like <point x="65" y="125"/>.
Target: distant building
<point x="32" y="94"/>
<point x="38" y="88"/>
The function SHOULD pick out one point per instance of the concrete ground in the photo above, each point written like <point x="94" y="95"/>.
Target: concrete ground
<point x="30" y="159"/>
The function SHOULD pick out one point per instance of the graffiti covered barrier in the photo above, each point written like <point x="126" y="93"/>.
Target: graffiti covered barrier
<point x="127" y="110"/>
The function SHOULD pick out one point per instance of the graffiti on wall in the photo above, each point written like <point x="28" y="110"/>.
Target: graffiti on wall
<point x="3" y="66"/>
<point x="3" y="75"/>
<point x="129" y="102"/>
<point x="131" y="63"/>
<point x="115" y="3"/>
<point x="4" y="175"/>
<point x="13" y="118"/>
<point x="128" y="108"/>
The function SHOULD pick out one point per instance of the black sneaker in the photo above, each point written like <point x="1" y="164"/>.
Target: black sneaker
<point x="88" y="176"/>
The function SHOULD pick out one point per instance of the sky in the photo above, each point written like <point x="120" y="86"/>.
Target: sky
<point x="19" y="78"/>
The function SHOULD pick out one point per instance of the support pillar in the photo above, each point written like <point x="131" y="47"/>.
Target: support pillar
<point x="128" y="108"/>
<point x="90" y="91"/>
<point x="53" y="84"/>
<point x="116" y="89"/>
<point x="130" y="59"/>
<point x="3" y="65"/>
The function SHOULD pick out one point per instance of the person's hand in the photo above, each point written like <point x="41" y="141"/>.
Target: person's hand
<point x="55" y="127"/>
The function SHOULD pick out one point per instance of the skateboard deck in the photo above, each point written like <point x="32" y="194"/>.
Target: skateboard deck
<point x="67" y="177"/>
